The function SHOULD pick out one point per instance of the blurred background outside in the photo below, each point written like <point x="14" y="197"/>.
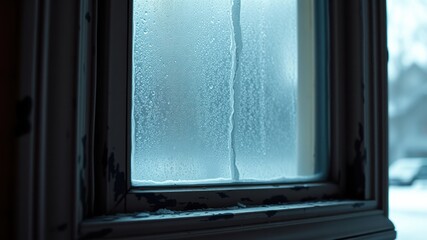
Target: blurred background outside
<point x="407" y="69"/>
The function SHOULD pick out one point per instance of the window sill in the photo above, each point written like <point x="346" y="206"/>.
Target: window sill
<point x="326" y="220"/>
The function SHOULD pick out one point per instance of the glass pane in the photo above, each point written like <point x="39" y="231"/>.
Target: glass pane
<point x="181" y="99"/>
<point x="214" y="92"/>
<point x="266" y="90"/>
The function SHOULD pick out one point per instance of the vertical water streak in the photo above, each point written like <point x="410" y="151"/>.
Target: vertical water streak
<point x="235" y="50"/>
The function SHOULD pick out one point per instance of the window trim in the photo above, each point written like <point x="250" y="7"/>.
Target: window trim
<point x="257" y="223"/>
<point x="121" y="196"/>
<point x="61" y="191"/>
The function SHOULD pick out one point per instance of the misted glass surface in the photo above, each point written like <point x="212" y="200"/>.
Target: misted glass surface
<point x="214" y="91"/>
<point x="407" y="46"/>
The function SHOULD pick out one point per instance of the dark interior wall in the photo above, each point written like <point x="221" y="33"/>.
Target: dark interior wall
<point x="9" y="76"/>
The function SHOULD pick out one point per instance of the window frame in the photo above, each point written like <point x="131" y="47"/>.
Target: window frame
<point x="69" y="144"/>
<point x="122" y="197"/>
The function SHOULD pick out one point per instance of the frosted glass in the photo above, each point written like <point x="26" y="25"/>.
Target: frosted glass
<point x="214" y="91"/>
<point x="266" y="91"/>
<point x="181" y="91"/>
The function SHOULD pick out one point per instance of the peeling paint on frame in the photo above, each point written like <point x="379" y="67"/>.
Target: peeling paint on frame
<point x="157" y="201"/>
<point x="115" y="173"/>
<point x="356" y="169"/>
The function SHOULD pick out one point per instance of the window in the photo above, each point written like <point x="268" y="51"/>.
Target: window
<point x="83" y="148"/>
<point x="257" y="123"/>
<point x="216" y="96"/>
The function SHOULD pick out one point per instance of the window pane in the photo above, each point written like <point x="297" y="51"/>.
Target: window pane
<point x="265" y="96"/>
<point x="214" y="91"/>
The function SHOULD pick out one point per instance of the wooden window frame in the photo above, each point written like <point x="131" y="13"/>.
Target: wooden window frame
<point x="115" y="180"/>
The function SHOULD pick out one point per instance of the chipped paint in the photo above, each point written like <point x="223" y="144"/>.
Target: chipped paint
<point x="23" y="116"/>
<point x="222" y="195"/>
<point x="356" y="170"/>
<point x="119" y="184"/>
<point x="164" y="211"/>
<point x="118" y="177"/>
<point x="157" y="201"/>
<point x="241" y="205"/>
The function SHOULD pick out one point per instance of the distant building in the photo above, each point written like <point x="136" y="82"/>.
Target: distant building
<point x="408" y="114"/>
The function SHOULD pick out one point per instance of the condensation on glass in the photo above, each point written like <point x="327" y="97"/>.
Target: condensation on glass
<point x="214" y="92"/>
